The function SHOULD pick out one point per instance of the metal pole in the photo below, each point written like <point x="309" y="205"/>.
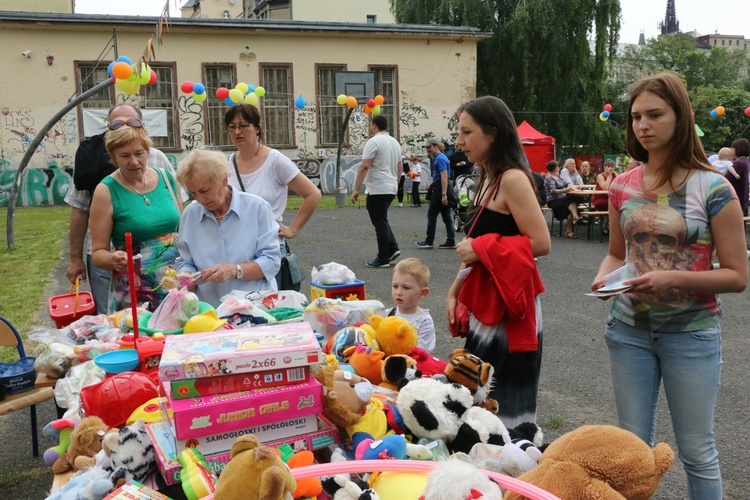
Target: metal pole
<point x="342" y="134"/>
<point x="35" y="144"/>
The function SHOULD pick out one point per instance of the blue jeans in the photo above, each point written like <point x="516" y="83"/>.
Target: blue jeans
<point x="99" y="283"/>
<point x="689" y="364"/>
<point x="436" y="207"/>
<point x="377" y="207"/>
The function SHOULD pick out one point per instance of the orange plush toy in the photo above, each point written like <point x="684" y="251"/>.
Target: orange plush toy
<point x="306" y="488"/>
<point x="393" y="335"/>
<point x="367" y="362"/>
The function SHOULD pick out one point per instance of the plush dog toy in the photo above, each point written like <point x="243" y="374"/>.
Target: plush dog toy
<point x="85" y="442"/>
<point x="597" y="462"/>
<point x="342" y="488"/>
<point x="254" y="472"/>
<point x="397" y="368"/>
<point x="366" y="361"/>
<point x="471" y="372"/>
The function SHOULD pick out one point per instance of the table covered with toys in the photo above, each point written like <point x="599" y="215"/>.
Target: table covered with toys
<point x="269" y="396"/>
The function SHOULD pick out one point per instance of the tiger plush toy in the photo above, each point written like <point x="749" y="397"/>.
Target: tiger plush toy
<point x="471" y="372"/>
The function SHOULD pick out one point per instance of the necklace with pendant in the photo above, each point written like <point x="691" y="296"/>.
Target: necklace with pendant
<point x="145" y="186"/>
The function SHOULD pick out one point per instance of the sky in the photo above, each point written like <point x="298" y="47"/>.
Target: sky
<point x="637" y="15"/>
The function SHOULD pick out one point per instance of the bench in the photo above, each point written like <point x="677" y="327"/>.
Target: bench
<point x="594" y="217"/>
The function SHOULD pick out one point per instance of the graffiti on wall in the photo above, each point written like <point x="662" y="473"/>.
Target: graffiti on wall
<point x="38" y="187"/>
<point x="20" y="130"/>
<point x="191" y="122"/>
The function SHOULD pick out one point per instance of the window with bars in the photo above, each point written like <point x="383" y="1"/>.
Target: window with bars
<point x="277" y="105"/>
<point x="89" y="76"/>
<point x="217" y="76"/>
<point x="385" y="85"/>
<point x="161" y="95"/>
<point x="330" y="113"/>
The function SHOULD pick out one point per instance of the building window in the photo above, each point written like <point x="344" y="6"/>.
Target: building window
<point x="89" y="76"/>
<point x="722" y="42"/>
<point x="714" y="42"/>
<point x="277" y="105"/>
<point x="217" y="76"/>
<point x="372" y="19"/>
<point x="161" y="96"/>
<point x="385" y="85"/>
<point x="330" y="113"/>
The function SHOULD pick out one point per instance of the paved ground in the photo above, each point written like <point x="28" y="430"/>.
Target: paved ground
<point x="575" y="386"/>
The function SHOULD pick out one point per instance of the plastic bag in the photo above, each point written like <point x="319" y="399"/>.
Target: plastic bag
<point x="269" y="300"/>
<point x="79" y="376"/>
<point x="174" y="311"/>
<point x="88" y="327"/>
<point x="242" y="313"/>
<point x="332" y="274"/>
<point x="54" y="359"/>
<point x="327" y="316"/>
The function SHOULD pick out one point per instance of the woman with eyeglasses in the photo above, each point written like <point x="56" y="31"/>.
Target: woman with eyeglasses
<point x="263" y="171"/>
<point x="139" y="200"/>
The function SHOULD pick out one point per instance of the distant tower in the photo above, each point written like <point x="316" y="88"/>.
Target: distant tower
<point x="642" y="39"/>
<point x="670" y="23"/>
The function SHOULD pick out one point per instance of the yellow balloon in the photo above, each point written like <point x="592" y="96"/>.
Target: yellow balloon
<point x="144" y="76"/>
<point x="376" y="111"/>
<point x="251" y="98"/>
<point x="341" y="99"/>
<point x="199" y="97"/>
<point x="242" y="87"/>
<point x="260" y="91"/>
<point x="129" y="86"/>
<point x="602" y="117"/>
<point x="235" y="95"/>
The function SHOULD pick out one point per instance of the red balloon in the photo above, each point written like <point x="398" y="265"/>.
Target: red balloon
<point x="222" y="92"/>
<point x="371" y="103"/>
<point x="152" y="80"/>
<point x="747" y="111"/>
<point x="608" y="107"/>
<point x="187" y="87"/>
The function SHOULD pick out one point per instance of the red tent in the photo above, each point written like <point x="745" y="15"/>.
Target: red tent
<point x="539" y="148"/>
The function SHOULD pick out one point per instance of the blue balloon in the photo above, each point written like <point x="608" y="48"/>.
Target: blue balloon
<point x="300" y="102"/>
<point x="229" y="102"/>
<point x="109" y="69"/>
<point x="713" y="114"/>
<point x="124" y="59"/>
<point x="199" y="88"/>
<point x="250" y="88"/>
<point x="605" y="113"/>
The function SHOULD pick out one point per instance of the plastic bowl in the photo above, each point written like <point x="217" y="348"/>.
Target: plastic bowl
<point x="120" y="361"/>
<point x="143" y="321"/>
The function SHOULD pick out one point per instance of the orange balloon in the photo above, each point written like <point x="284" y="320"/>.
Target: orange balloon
<point x="351" y="101"/>
<point x="379" y="100"/>
<point x="720" y="110"/>
<point x="122" y="70"/>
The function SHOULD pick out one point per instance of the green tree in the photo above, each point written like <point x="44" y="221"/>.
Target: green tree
<point x="540" y="59"/>
<point x="721" y="131"/>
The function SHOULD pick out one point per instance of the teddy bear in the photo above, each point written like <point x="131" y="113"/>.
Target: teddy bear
<point x="599" y="462"/>
<point x="85" y="442"/>
<point x="470" y="371"/>
<point x="254" y="472"/>
<point x="393" y="335"/>
<point x="396" y="368"/>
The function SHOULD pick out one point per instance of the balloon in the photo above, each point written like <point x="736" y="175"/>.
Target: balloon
<point x="351" y="101"/>
<point x="605" y="113"/>
<point x="222" y="93"/>
<point x="300" y="102"/>
<point x="608" y="107"/>
<point x="187" y="87"/>
<point x="199" y="88"/>
<point x="341" y="99"/>
<point x="720" y="110"/>
<point x="260" y="91"/>
<point x="747" y="111"/>
<point x="713" y="114"/>
<point x="368" y="109"/>
<point x="229" y="102"/>
<point x="376" y="111"/>
<point x="378" y="100"/>
<point x="250" y="88"/>
<point x="252" y="99"/>
<point x="242" y="87"/>
<point x="236" y="95"/>
<point x="602" y="117"/>
<point x="371" y="103"/>
<point x="109" y="69"/>
<point x="153" y="78"/>
<point x="144" y="75"/>
<point x="125" y="59"/>
<point x="199" y="97"/>
<point x="122" y="70"/>
<point x="130" y="87"/>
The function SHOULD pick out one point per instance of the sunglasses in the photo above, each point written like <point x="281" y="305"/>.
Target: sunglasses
<point x="130" y="122"/>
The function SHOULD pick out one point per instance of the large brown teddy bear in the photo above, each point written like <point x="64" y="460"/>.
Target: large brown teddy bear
<point x="599" y="462"/>
<point x="255" y="472"/>
<point x="85" y="442"/>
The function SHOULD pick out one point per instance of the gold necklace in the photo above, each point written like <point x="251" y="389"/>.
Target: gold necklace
<point x="145" y="186"/>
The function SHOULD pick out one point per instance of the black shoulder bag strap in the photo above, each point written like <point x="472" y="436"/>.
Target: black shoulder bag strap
<point x="237" y="172"/>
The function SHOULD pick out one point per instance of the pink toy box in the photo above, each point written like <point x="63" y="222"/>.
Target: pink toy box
<point x="196" y="387"/>
<point x="324" y="435"/>
<point x="261" y="348"/>
<point x="196" y="417"/>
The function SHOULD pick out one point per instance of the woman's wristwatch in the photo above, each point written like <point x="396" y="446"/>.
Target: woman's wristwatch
<point x="239" y="272"/>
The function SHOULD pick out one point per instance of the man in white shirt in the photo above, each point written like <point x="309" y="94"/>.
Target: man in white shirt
<point x="569" y="174"/>
<point x="380" y="170"/>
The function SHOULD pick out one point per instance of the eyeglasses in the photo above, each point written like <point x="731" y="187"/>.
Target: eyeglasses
<point x="130" y="122"/>
<point x="241" y="127"/>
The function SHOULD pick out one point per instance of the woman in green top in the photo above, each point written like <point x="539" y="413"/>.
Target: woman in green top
<point x="136" y="199"/>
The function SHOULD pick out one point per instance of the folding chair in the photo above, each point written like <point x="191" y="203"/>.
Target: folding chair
<point x="9" y="337"/>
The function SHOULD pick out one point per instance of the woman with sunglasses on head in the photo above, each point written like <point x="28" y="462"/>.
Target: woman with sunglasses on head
<point x="263" y="171"/>
<point x="668" y="218"/>
<point x="139" y="200"/>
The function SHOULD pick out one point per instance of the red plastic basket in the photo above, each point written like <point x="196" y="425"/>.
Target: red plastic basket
<point x="64" y="309"/>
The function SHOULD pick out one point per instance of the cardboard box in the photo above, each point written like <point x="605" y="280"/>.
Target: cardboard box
<point x="133" y="490"/>
<point x="326" y="435"/>
<point x="196" y="387"/>
<point x="261" y="348"/>
<point x="203" y="416"/>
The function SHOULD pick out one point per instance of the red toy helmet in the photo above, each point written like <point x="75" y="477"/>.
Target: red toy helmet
<point x="115" y="398"/>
